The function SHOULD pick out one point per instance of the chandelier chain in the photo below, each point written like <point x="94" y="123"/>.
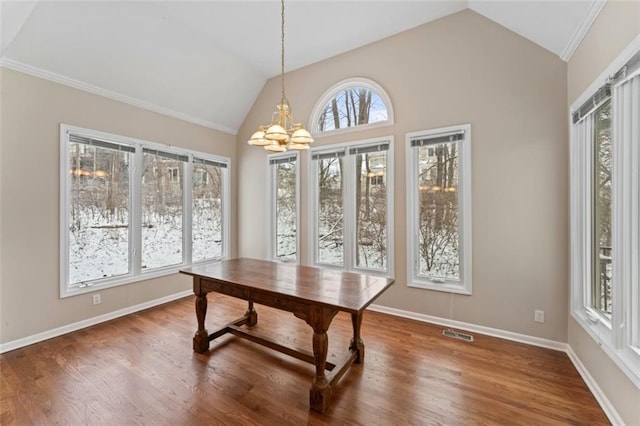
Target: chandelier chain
<point x="284" y="97"/>
<point x="283" y="133"/>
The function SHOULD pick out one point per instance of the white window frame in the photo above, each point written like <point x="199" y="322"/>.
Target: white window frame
<point x="136" y="273"/>
<point x="614" y="335"/>
<point x="331" y="93"/>
<point x="464" y="285"/>
<point x="272" y="216"/>
<point x="349" y="205"/>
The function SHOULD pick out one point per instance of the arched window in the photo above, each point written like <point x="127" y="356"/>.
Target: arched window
<point x="355" y="102"/>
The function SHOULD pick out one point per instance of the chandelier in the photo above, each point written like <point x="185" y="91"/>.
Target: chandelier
<point x="282" y="133"/>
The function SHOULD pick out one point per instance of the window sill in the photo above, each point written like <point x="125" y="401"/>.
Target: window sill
<point x="445" y="287"/>
<point x="340" y="268"/>
<point x="125" y="279"/>
<point x="624" y="359"/>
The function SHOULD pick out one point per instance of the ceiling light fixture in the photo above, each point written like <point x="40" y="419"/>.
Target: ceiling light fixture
<point x="282" y="133"/>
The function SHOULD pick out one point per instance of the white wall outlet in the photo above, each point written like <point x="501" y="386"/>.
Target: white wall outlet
<point x="538" y="316"/>
<point x="97" y="299"/>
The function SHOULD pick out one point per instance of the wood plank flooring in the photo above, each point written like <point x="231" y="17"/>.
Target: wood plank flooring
<point x="141" y="369"/>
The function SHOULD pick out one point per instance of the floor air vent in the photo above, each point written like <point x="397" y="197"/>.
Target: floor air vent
<point x="457" y="335"/>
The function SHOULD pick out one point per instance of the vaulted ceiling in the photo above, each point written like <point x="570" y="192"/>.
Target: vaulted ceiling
<point x="206" y="62"/>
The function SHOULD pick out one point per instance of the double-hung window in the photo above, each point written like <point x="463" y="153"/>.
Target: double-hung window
<point x="605" y="214"/>
<point x="351" y="204"/>
<point x="439" y="209"/>
<point x="133" y="210"/>
<point x="283" y="194"/>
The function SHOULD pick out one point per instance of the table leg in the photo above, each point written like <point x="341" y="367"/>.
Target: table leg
<point x="252" y="315"/>
<point x="356" y="341"/>
<point x="320" y="392"/>
<point x="201" y="339"/>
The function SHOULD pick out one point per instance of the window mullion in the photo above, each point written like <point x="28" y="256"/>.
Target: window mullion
<point x="349" y="218"/>
<point x="225" y="201"/>
<point x="297" y="171"/>
<point x="187" y="208"/>
<point x="412" y="211"/>
<point x="587" y="202"/>
<point x="620" y="203"/>
<point x="314" y="194"/>
<point x="272" y="214"/>
<point x="135" y="221"/>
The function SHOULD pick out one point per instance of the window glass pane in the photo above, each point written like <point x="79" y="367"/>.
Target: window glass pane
<point x="162" y="198"/>
<point x="602" y="253"/>
<point x="99" y="212"/>
<point x="439" y="240"/>
<point x="285" y="190"/>
<point x="207" y="212"/>
<point x="371" y="210"/>
<point x="330" y="212"/>
<point x="352" y="107"/>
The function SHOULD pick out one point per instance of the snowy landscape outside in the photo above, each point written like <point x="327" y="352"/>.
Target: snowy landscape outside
<point x="99" y="214"/>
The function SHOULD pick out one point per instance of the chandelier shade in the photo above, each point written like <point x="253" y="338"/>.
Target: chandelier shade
<point x="258" y="139"/>
<point x="283" y="133"/>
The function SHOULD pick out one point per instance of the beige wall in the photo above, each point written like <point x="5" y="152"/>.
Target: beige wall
<point x="460" y="69"/>
<point x="32" y="110"/>
<point x="616" y="26"/>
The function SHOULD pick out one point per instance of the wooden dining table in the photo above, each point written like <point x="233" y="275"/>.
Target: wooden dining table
<point x="312" y="294"/>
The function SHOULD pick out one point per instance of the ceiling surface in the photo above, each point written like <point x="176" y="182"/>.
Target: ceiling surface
<point x="206" y="62"/>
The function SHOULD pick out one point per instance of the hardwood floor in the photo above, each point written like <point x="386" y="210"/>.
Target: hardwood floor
<point x="141" y="369"/>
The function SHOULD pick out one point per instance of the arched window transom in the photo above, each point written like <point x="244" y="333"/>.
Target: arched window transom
<point x="355" y="102"/>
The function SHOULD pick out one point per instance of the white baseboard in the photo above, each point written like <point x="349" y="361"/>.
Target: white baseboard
<point x="29" y="340"/>
<point x="494" y="332"/>
<point x="599" y="395"/>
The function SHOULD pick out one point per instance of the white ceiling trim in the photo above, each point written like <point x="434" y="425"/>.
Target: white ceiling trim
<point x="57" y="78"/>
<point x="583" y="29"/>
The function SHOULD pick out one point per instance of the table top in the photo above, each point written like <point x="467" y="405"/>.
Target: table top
<point x="345" y="291"/>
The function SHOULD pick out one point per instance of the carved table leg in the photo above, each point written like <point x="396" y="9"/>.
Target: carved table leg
<point x="201" y="339"/>
<point x="251" y="314"/>
<point x="320" y="392"/>
<point x="356" y="341"/>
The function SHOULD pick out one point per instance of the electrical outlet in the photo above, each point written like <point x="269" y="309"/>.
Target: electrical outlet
<point x="97" y="299"/>
<point x="538" y="316"/>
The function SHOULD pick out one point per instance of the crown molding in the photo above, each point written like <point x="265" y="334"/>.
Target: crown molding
<point x="66" y="81"/>
<point x="583" y="29"/>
